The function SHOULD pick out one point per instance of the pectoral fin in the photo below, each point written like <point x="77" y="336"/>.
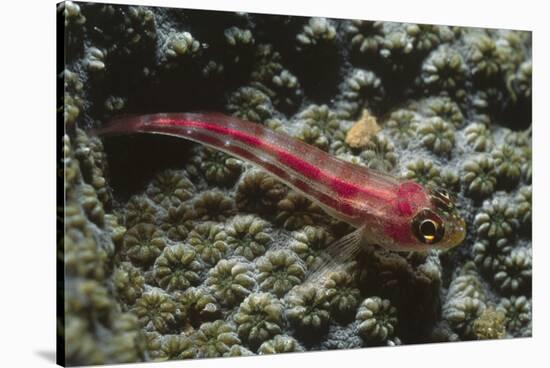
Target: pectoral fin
<point x="337" y="255"/>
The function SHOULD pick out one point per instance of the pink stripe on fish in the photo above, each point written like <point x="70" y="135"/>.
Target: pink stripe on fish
<point x="303" y="167"/>
<point x="337" y="205"/>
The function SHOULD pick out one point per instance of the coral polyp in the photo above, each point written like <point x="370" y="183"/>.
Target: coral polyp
<point x="232" y="281"/>
<point x="177" y="268"/>
<point x="156" y="311"/>
<point x="308" y="309"/>
<point x="343" y="294"/>
<point x="309" y="244"/>
<point x="280" y="344"/>
<point x="214" y="339"/>
<point x="377" y="320"/>
<point x="279" y="271"/>
<point x="259" y="192"/>
<point x="129" y="282"/>
<point x="247" y="236"/>
<point x="479" y="177"/>
<point x="296" y="211"/>
<point x="209" y="242"/>
<point x="259" y="318"/>
<point x="437" y="135"/>
<point x="143" y="243"/>
<point x="170" y="188"/>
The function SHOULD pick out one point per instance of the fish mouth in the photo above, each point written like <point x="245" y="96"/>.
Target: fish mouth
<point x="459" y="233"/>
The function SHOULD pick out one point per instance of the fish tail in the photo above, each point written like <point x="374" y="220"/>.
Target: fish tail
<point x="120" y="125"/>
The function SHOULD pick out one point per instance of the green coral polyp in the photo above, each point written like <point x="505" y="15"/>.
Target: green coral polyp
<point x="515" y="272"/>
<point x="479" y="177"/>
<point x="247" y="237"/>
<point x="259" y="318"/>
<point x="72" y="13"/>
<point x="498" y="220"/>
<point x="215" y="339"/>
<point x="175" y="347"/>
<point x="489" y="254"/>
<point x="143" y="243"/>
<point x="259" y="192"/>
<point x="437" y="135"/>
<point x="178" y="45"/>
<point x="379" y="154"/>
<point x="316" y="31"/>
<point x="84" y="257"/>
<point x="196" y="305"/>
<point x="84" y="349"/>
<point x="479" y="137"/>
<point x="366" y="36"/>
<point x="209" y="241"/>
<point x="446" y="109"/>
<point x="213" y="205"/>
<point x="95" y="59"/>
<point x="93" y="163"/>
<point x="309" y="243"/>
<point x="308" y="309"/>
<point x="465" y="301"/>
<point x="402" y="125"/>
<point x="250" y="104"/>
<point x="462" y="313"/>
<point x="444" y="69"/>
<point x="422" y="171"/>
<point x="397" y="44"/>
<point x="231" y="281"/>
<point x="177" y="268"/>
<point x="321" y="117"/>
<point x="279" y="271"/>
<point x="485" y="57"/>
<point x="523" y="200"/>
<point x="155" y="311"/>
<point x="238" y="350"/>
<point x="280" y="344"/>
<point x="217" y="167"/>
<point x="128" y="342"/>
<point x="362" y="88"/>
<point x="377" y="320"/>
<point x="343" y="295"/>
<point x="296" y="211"/>
<point x="427" y="36"/>
<point x="139" y="210"/>
<point x="507" y="165"/>
<point x="178" y="221"/>
<point x="314" y="137"/>
<point x="129" y="282"/>
<point x="170" y="187"/>
<point x="517" y="311"/>
<point x="139" y="29"/>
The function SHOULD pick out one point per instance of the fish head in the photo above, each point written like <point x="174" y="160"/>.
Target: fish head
<point x="439" y="224"/>
<point x="420" y="218"/>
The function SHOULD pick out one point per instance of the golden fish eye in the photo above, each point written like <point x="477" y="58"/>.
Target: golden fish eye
<point x="428" y="227"/>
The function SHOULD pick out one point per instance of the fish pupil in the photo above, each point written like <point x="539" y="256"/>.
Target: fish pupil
<point x="428" y="228"/>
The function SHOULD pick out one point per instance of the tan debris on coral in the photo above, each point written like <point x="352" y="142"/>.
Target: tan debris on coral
<point x="361" y="132"/>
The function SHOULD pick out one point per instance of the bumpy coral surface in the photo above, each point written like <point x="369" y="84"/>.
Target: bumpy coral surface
<point x="172" y="250"/>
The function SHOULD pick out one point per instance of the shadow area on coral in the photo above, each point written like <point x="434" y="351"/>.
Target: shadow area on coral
<point x="134" y="160"/>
